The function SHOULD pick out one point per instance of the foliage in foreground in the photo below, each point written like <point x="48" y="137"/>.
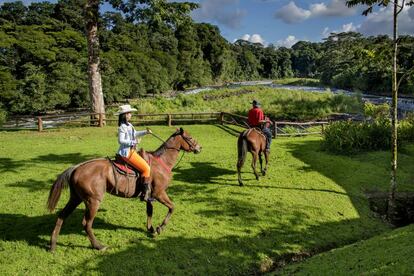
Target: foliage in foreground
<point x="309" y="200"/>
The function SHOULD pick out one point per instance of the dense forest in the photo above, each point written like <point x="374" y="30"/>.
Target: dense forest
<point x="43" y="58"/>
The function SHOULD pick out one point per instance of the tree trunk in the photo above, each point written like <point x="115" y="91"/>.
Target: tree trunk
<point x="95" y="83"/>
<point x="394" y="119"/>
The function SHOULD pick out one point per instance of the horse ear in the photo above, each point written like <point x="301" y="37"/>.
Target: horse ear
<point x="181" y="130"/>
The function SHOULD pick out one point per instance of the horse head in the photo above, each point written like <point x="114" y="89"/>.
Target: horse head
<point x="186" y="142"/>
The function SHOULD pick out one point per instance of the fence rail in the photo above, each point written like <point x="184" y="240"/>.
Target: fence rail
<point x="279" y="128"/>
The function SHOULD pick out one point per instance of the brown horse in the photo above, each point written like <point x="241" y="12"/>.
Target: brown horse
<point x="89" y="181"/>
<point x="254" y="141"/>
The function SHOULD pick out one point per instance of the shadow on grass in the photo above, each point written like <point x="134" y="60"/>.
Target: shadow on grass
<point x="202" y="173"/>
<point x="17" y="227"/>
<point x="253" y="247"/>
<point x="242" y="253"/>
<point x="10" y="165"/>
<point x="230" y="129"/>
<point x="33" y="185"/>
<point x="354" y="174"/>
<point x="42" y="162"/>
<point x="68" y="158"/>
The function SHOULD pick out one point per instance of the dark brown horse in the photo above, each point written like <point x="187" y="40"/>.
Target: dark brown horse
<point x="254" y="141"/>
<point x="89" y="181"/>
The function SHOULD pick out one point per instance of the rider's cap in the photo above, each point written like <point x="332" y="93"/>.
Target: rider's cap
<point x="255" y="103"/>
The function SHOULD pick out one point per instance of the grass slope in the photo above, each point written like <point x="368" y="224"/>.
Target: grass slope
<point x="309" y="201"/>
<point x="386" y="254"/>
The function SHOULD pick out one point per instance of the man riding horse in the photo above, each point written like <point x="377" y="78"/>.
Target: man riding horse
<point x="257" y="119"/>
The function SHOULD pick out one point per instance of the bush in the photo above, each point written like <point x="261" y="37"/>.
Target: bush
<point x="3" y="116"/>
<point x="353" y="137"/>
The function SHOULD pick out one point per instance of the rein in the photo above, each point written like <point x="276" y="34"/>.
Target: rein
<point x="165" y="145"/>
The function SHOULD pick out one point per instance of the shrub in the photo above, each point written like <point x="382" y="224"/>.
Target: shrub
<point x="353" y="137"/>
<point x="3" y="116"/>
<point x="349" y="137"/>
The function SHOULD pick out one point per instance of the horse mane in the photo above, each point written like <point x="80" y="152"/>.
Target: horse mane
<point x="161" y="150"/>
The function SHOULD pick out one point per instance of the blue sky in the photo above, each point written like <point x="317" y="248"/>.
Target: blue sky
<point x="284" y="22"/>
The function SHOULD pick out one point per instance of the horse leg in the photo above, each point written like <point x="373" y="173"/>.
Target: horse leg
<point x="261" y="164"/>
<point x="266" y="154"/>
<point x="239" y="166"/>
<point x="165" y="200"/>
<point x="92" y="206"/>
<point x="73" y="202"/>
<point x="150" y="228"/>
<point x="254" y="161"/>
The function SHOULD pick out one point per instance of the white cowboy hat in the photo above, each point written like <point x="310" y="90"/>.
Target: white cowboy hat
<point x="126" y="108"/>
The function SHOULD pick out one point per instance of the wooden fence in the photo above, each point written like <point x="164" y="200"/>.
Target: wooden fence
<point x="279" y="128"/>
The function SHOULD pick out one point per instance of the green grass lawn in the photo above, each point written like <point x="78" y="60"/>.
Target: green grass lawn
<point x="310" y="201"/>
<point x="386" y="254"/>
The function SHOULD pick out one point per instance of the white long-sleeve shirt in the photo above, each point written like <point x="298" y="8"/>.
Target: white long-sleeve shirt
<point x="127" y="136"/>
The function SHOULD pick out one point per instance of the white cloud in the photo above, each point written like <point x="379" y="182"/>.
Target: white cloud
<point x="254" y="38"/>
<point x="287" y="42"/>
<point x="334" y="8"/>
<point x="220" y="11"/>
<point x="326" y="32"/>
<point x="380" y="22"/>
<point x="350" y="27"/>
<point x="291" y="13"/>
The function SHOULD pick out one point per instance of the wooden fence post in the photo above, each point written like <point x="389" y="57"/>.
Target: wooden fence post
<point x="101" y="121"/>
<point x="169" y="120"/>
<point x="39" y="124"/>
<point x="221" y="119"/>
<point x="275" y="129"/>
<point x="323" y="128"/>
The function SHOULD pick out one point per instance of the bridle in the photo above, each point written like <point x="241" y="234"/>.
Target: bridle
<point x="186" y="139"/>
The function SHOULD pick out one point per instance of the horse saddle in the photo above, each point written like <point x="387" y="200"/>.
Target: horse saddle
<point x="258" y="130"/>
<point x="122" y="166"/>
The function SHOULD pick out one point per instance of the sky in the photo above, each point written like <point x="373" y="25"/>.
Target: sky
<point x="284" y="22"/>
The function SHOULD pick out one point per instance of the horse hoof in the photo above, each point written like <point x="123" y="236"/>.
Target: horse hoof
<point x="101" y="247"/>
<point x="159" y="230"/>
<point x="257" y="177"/>
<point x="240" y="183"/>
<point x="263" y="173"/>
<point x="151" y="230"/>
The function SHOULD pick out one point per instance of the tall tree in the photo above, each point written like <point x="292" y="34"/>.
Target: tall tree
<point x="398" y="6"/>
<point x="94" y="75"/>
<point x="152" y="12"/>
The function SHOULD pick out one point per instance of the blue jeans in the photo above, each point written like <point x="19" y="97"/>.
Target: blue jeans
<point x="268" y="134"/>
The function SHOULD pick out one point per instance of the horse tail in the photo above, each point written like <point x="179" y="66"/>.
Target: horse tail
<point x="61" y="182"/>
<point x="241" y="149"/>
<point x="57" y="187"/>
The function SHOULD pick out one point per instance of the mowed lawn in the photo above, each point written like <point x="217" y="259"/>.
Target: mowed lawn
<point x="310" y="201"/>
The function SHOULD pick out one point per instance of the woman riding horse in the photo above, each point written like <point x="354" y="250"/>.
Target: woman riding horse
<point x="88" y="182"/>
